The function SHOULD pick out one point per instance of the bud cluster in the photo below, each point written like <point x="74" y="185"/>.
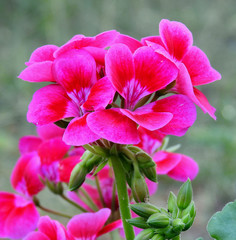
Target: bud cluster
<point x="161" y="224"/>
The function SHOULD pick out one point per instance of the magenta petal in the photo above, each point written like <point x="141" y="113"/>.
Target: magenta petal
<point x="18" y="216"/>
<point x="183" y="110"/>
<point x="152" y="186"/>
<point x="176" y="37"/>
<point x="36" y="236"/>
<point x="145" y="117"/>
<point x="29" y="144"/>
<point x="110" y="227"/>
<point x="187" y="168"/>
<point x="132" y="43"/>
<point x="49" y="131"/>
<point x="97" y="53"/>
<point x="101" y="94"/>
<point x="38" y="72"/>
<point x="153" y="39"/>
<point x="88" y="225"/>
<point x="166" y="161"/>
<point x="112" y="125"/>
<point x="152" y="70"/>
<point x="78" y="132"/>
<point x="25" y="175"/>
<point x="199" y="67"/>
<point x="119" y="67"/>
<point x="49" y="104"/>
<point x="76" y="72"/>
<point x="41" y="54"/>
<point x="104" y="39"/>
<point x="52" y="150"/>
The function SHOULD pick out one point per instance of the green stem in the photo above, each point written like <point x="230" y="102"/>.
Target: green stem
<point x="99" y="191"/>
<point x="53" y="212"/>
<point x="122" y="196"/>
<point x="73" y="203"/>
<point x="89" y="199"/>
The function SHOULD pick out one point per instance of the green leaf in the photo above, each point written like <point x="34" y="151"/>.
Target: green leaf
<point x="222" y="225"/>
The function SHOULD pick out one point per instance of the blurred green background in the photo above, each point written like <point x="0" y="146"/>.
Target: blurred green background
<point x="26" y="25"/>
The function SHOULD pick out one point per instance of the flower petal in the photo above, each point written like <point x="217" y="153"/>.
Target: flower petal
<point x="199" y="67"/>
<point x="186" y="168"/>
<point x="183" y="110"/>
<point x="29" y="144"/>
<point x="101" y="94"/>
<point x="88" y="225"/>
<point x="41" y="54"/>
<point x="132" y="43"/>
<point x="36" y="236"/>
<point x="49" y="131"/>
<point x="79" y="133"/>
<point x="110" y="227"/>
<point x="112" y="125"/>
<point x="49" y="104"/>
<point x="176" y="37"/>
<point x="145" y="117"/>
<point x="38" y="72"/>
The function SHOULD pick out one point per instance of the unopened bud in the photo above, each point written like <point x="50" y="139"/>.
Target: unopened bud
<point x="150" y="173"/>
<point x="134" y="149"/>
<point x="139" y="188"/>
<point x="186" y="219"/>
<point x="172" y="202"/>
<point x="77" y="176"/>
<point x="138" y="222"/>
<point x="189" y="210"/>
<point x="158" y="237"/>
<point x="144" y="210"/>
<point x="51" y="186"/>
<point x="91" y="162"/>
<point x="185" y="194"/>
<point x="178" y="225"/>
<point x="158" y="220"/>
<point x="146" y="234"/>
<point x="189" y="224"/>
<point x="144" y="160"/>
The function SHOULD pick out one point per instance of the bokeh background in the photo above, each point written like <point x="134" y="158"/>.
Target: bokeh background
<point x="26" y="25"/>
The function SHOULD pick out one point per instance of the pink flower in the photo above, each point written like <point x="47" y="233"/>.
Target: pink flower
<point x="175" y="43"/>
<point x="18" y="216"/>
<point x="135" y="76"/>
<point x="49" y="229"/>
<point x="89" y="226"/>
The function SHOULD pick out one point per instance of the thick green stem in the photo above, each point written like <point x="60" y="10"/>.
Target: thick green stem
<point x="122" y="196"/>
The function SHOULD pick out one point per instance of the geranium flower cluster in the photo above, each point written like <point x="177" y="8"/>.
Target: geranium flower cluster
<point x="109" y="94"/>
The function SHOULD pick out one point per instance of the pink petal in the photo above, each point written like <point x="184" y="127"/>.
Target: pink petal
<point x="76" y="72"/>
<point x="17" y="216"/>
<point x="199" y="67"/>
<point x="36" y="236"/>
<point x="176" y="37"/>
<point x="105" y="39"/>
<point x="205" y="105"/>
<point x="79" y="133"/>
<point x="183" y="110"/>
<point x="49" y="104"/>
<point x="29" y="144"/>
<point x="110" y="227"/>
<point x="38" y="72"/>
<point x="24" y="177"/>
<point x="187" y="168"/>
<point x="132" y="43"/>
<point x="101" y="94"/>
<point x="152" y="186"/>
<point x="145" y="117"/>
<point x="49" y="131"/>
<point x="41" y="54"/>
<point x="66" y="166"/>
<point x="88" y="225"/>
<point x="119" y="67"/>
<point x="166" y="161"/>
<point x="153" y="39"/>
<point x="152" y="70"/>
<point x="97" y="53"/>
<point x="52" y="150"/>
<point x="112" y="125"/>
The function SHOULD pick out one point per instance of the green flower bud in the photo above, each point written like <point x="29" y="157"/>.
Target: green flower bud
<point x="150" y="173"/>
<point x="189" y="210"/>
<point x="158" y="237"/>
<point x="172" y="202"/>
<point x="77" y="176"/>
<point x="91" y="162"/>
<point x="189" y="224"/>
<point x="185" y="194"/>
<point x="101" y="151"/>
<point x="87" y="154"/>
<point x="138" y="222"/>
<point x="139" y="188"/>
<point x="146" y="234"/>
<point x="51" y="186"/>
<point x="144" y="160"/>
<point x="178" y="225"/>
<point x="134" y="149"/>
<point x="144" y="210"/>
<point x="158" y="220"/>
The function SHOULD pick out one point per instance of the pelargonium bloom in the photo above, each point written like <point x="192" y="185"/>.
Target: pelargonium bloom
<point x="176" y="43"/>
<point x="135" y="76"/>
<point x="18" y="216"/>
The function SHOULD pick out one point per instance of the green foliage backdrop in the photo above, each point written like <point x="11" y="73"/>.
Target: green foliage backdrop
<point x="26" y="25"/>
